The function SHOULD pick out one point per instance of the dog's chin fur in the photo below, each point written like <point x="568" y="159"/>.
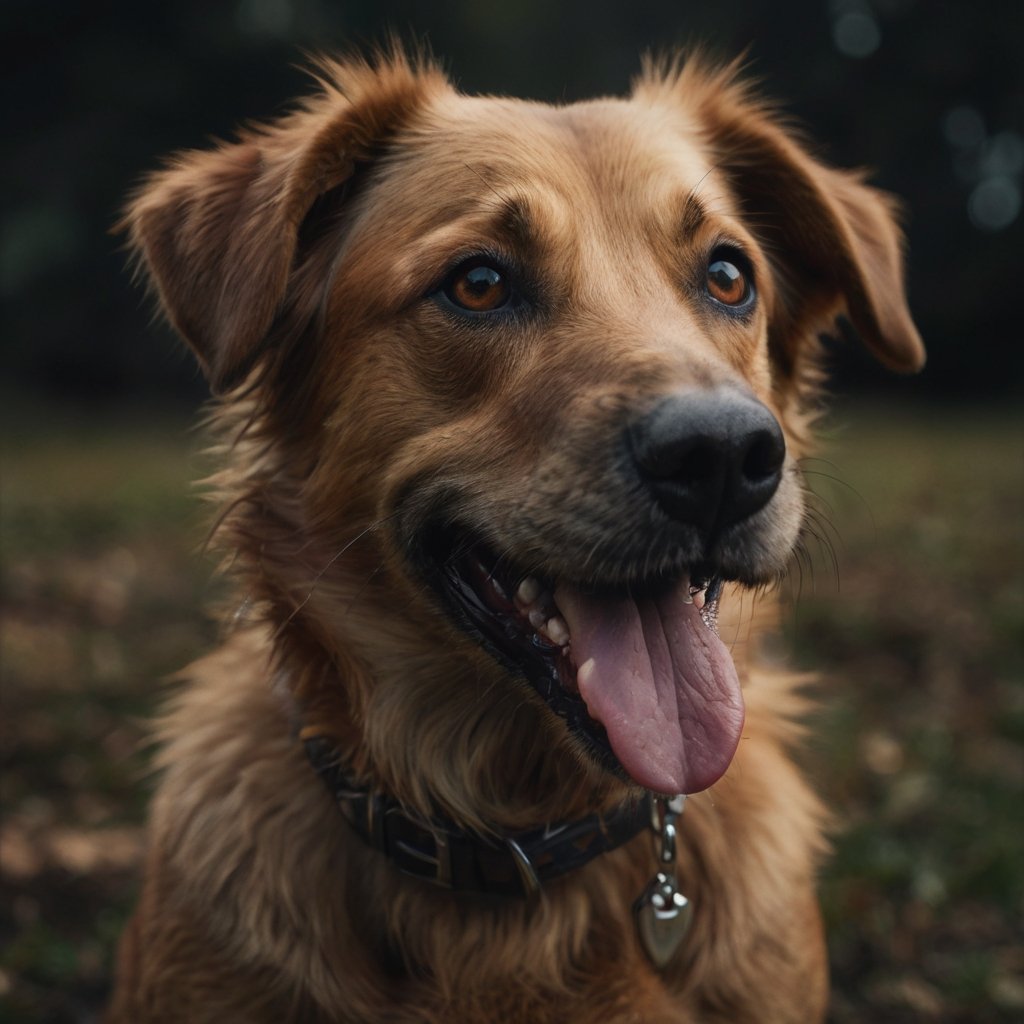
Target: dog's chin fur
<point x="350" y="408"/>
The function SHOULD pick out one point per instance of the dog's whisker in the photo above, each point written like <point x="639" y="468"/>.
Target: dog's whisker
<point x="826" y="548"/>
<point x="833" y="478"/>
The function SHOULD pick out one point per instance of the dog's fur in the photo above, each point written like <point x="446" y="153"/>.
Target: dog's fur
<point x="299" y="263"/>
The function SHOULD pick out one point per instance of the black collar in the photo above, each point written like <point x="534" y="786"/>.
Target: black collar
<point x="441" y="852"/>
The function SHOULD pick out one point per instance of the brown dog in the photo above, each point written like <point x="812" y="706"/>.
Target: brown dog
<point x="513" y="400"/>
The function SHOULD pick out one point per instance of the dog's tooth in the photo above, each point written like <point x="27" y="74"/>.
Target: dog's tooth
<point x="585" y="671"/>
<point x="536" y="617"/>
<point x="698" y="599"/>
<point x="688" y="597"/>
<point x="557" y="630"/>
<point x="529" y="590"/>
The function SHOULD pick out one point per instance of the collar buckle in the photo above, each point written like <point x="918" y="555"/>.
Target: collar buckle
<point x="527" y="872"/>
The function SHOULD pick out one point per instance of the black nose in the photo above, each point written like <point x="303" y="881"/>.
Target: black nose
<point x="711" y="458"/>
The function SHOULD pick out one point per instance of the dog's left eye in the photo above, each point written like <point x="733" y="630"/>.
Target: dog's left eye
<point x="728" y="283"/>
<point x="479" y="288"/>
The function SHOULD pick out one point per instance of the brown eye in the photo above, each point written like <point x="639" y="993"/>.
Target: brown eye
<point x="479" y="289"/>
<point x="727" y="284"/>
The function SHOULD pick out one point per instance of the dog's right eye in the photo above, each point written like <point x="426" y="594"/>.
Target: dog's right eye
<point x="478" y="287"/>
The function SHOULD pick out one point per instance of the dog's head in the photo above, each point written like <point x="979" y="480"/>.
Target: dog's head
<point x="518" y="388"/>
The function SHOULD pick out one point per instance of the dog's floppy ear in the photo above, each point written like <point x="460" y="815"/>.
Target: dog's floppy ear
<point x="834" y="241"/>
<point x="216" y="231"/>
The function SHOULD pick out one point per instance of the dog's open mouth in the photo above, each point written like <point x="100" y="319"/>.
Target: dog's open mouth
<point x="639" y="674"/>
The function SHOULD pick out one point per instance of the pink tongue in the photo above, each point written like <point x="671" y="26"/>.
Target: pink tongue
<point x="662" y="684"/>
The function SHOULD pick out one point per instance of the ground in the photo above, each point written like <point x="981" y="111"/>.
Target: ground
<point x="911" y="606"/>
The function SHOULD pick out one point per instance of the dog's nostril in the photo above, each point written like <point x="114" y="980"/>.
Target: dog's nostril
<point x="764" y="457"/>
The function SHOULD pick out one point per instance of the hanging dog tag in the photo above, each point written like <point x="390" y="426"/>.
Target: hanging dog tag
<point x="663" y="916"/>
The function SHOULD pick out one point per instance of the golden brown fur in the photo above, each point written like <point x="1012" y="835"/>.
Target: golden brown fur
<point x="295" y="262"/>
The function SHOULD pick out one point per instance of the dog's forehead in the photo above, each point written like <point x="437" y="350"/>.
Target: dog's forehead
<point x="587" y="154"/>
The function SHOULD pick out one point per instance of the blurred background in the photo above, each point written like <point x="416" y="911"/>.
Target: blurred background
<point x="912" y="607"/>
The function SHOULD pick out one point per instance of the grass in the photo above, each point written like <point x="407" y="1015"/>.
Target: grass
<point x="916" y="627"/>
<point x="102" y="597"/>
<point x="919" y="636"/>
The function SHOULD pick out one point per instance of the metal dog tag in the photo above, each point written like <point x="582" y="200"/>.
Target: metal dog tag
<point x="663" y="916"/>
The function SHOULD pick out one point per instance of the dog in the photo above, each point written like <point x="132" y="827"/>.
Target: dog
<point x="512" y="400"/>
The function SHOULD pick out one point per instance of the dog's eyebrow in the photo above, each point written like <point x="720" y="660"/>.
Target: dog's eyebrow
<point x="513" y="218"/>
<point x="516" y="221"/>
<point x="693" y="215"/>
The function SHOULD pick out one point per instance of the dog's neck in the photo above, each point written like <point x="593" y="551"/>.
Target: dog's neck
<point x="437" y="850"/>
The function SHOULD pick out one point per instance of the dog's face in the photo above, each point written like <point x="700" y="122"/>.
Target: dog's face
<point x="528" y="387"/>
